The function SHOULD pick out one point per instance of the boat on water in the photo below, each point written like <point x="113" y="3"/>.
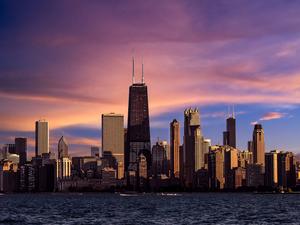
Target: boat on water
<point x="129" y="194"/>
<point x="170" y="194"/>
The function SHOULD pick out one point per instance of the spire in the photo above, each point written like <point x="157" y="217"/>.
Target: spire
<point x="233" y="111"/>
<point x="228" y="112"/>
<point x="133" y="79"/>
<point x="143" y="80"/>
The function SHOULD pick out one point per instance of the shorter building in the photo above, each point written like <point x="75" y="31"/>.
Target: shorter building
<point x="254" y="175"/>
<point x="271" y="168"/>
<point x="8" y="176"/>
<point x="109" y="160"/>
<point x="8" y="180"/>
<point x="216" y="168"/>
<point x="47" y="178"/>
<point x="159" y="159"/>
<point x="202" y="179"/>
<point x="280" y="170"/>
<point x="245" y="158"/>
<point x="113" y="141"/>
<point x="45" y="172"/>
<point x="181" y="161"/>
<point x="64" y="168"/>
<point x="108" y="178"/>
<point x="291" y="170"/>
<point x="27" y="178"/>
<point x="298" y="173"/>
<point x="206" y="144"/>
<point x="10" y="163"/>
<point x="239" y="177"/>
<point x="159" y="183"/>
<point x="84" y="166"/>
<point x="3" y="153"/>
<point x="230" y="163"/>
<point x="174" y="149"/>
<point x="21" y="149"/>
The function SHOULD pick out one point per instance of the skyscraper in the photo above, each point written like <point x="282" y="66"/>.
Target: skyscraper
<point x="258" y="145"/>
<point x="63" y="149"/>
<point x="245" y="158"/>
<point x="174" y="148"/>
<point x="21" y="149"/>
<point x="113" y="139"/>
<point x="192" y="146"/>
<point x="250" y="146"/>
<point x="41" y="137"/>
<point x="229" y="136"/>
<point x="206" y="144"/>
<point x="166" y="147"/>
<point x="280" y="169"/>
<point x="159" y="156"/>
<point x="291" y="169"/>
<point x="138" y="129"/>
<point x="216" y="169"/>
<point x="230" y="163"/>
<point x="63" y="162"/>
<point x="181" y="164"/>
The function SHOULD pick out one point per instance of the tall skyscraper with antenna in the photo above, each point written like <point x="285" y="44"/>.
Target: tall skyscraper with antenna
<point x="138" y="130"/>
<point x="229" y="136"/>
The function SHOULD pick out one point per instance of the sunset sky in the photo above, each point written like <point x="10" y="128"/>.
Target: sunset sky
<point x="70" y="61"/>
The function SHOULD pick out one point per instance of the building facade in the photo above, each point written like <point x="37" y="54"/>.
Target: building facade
<point x="159" y="160"/>
<point x="113" y="140"/>
<point x="138" y="131"/>
<point x="231" y="131"/>
<point x="41" y="137"/>
<point x="174" y="148"/>
<point x="216" y="169"/>
<point x="258" y="145"/>
<point x="193" y="156"/>
<point x="21" y="149"/>
<point x="63" y="163"/>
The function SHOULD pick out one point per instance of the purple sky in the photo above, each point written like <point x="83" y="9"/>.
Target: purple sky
<point x="70" y="61"/>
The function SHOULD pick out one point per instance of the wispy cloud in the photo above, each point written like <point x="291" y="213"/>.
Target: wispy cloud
<point x="220" y="114"/>
<point x="71" y="63"/>
<point x="272" y="116"/>
<point x="254" y="123"/>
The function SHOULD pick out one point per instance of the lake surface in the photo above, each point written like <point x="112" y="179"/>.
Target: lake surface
<point x="199" y="208"/>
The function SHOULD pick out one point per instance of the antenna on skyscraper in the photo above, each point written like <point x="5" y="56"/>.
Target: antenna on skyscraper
<point x="143" y="80"/>
<point x="233" y="111"/>
<point x="133" y="80"/>
<point x="228" y="112"/>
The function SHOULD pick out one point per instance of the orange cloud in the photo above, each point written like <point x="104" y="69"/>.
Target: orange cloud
<point x="272" y="116"/>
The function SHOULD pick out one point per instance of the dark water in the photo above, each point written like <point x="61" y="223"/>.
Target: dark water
<point x="202" y="208"/>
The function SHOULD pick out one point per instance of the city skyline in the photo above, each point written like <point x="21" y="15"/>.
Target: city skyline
<point x="70" y="79"/>
<point x="142" y="112"/>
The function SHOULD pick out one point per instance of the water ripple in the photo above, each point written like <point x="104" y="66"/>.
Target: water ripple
<point x="198" y="208"/>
